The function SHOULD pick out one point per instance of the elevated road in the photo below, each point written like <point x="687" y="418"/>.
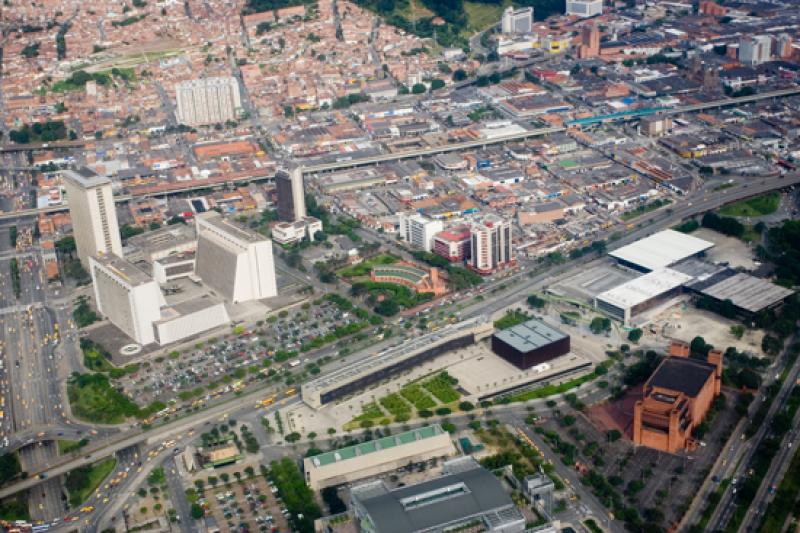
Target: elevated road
<point x="421" y="152"/>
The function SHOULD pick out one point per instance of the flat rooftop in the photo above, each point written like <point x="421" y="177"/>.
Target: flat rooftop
<point x="463" y="491"/>
<point x="390" y="356"/>
<point x="124" y="269"/>
<point x="643" y="288"/>
<point x="661" y="249"/>
<point x="85" y="177"/>
<point x="226" y="226"/>
<point x="682" y="374"/>
<point x="365" y="448"/>
<point x="530" y="335"/>
<point x="748" y="292"/>
<point x="164" y="238"/>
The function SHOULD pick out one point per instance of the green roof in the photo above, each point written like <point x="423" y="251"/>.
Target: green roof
<point x="364" y="448"/>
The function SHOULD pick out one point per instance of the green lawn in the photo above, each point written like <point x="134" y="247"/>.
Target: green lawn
<point x="370" y="411"/>
<point x="68" y="446"/>
<point x="81" y="482"/>
<point x="364" y="268"/>
<point x="93" y="398"/>
<point x="482" y="16"/>
<point x="442" y="387"/>
<point x="511" y="319"/>
<point x="396" y="406"/>
<point x="786" y="496"/>
<point x="766" y="204"/>
<point x="550" y="390"/>
<point x="418" y="397"/>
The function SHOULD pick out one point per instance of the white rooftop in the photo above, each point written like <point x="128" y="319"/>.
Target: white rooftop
<point x="643" y="288"/>
<point x="661" y="249"/>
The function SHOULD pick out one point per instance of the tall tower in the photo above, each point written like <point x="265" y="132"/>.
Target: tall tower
<point x="93" y="215"/>
<point x="291" y="194"/>
<point x="590" y="41"/>
<point x="491" y="245"/>
<point x="207" y="100"/>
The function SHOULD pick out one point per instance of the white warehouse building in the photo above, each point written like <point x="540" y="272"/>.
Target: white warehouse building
<point x="628" y="301"/>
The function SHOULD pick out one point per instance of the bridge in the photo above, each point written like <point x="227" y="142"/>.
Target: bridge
<point x="435" y="150"/>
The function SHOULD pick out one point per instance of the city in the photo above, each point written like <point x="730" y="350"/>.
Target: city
<point x="396" y="266"/>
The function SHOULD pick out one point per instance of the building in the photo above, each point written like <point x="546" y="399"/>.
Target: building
<point x="655" y="125"/>
<point x="128" y="297"/>
<point x="530" y="343"/>
<point x="411" y="276"/>
<point x="590" y="42"/>
<point x="491" y="247"/>
<point x="208" y="101"/>
<point x="453" y="244"/>
<point x="675" y="400"/>
<point x="236" y="262"/>
<point x="584" y="8"/>
<point x="378" y="456"/>
<point x="465" y="497"/>
<point x="291" y="194"/>
<point x="629" y="300"/>
<point x="172" y="267"/>
<point x="391" y="361"/>
<point x="660" y="250"/>
<point x="783" y="46"/>
<point x="418" y="230"/>
<point x="755" y="49"/>
<point x="748" y="295"/>
<point x="93" y="214"/>
<point x="289" y="232"/>
<point x="517" y="20"/>
<point x="191" y="317"/>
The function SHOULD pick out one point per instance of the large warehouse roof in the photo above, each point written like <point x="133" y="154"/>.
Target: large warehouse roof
<point x="643" y="288"/>
<point x="661" y="249"/>
<point x="529" y="335"/>
<point x="747" y="292"/>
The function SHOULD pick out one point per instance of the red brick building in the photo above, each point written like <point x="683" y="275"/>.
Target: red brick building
<point x="676" y="399"/>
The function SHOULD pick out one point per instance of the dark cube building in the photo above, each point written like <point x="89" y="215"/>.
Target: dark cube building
<point x="530" y="343"/>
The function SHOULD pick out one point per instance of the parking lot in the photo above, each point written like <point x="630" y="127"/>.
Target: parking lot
<point x="249" y="505"/>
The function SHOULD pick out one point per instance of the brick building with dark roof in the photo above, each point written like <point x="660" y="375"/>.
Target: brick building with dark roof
<point x="675" y="400"/>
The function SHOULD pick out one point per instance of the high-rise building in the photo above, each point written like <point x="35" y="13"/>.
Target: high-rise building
<point x="418" y="230"/>
<point x="754" y="50"/>
<point x="92" y="212"/>
<point x="128" y="297"/>
<point x="517" y="20"/>
<point x="590" y="42"/>
<point x="207" y="100"/>
<point x="291" y="194"/>
<point x="584" y="8"/>
<point x="783" y="46"/>
<point x="236" y="262"/>
<point x="491" y="245"/>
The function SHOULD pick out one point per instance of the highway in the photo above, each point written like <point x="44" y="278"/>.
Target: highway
<point x="739" y="466"/>
<point x="433" y="150"/>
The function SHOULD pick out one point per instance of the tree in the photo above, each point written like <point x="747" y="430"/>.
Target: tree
<point x="459" y="75"/>
<point x="613" y="435"/>
<point x="293" y="437"/>
<point x="418" y="88"/>
<point x="320" y="236"/>
<point x="466" y="406"/>
<point x="699" y="348"/>
<point x="737" y="330"/>
<point x="437" y="84"/>
<point x="635" y="334"/>
<point x="536" y="301"/>
<point x="387" y="307"/>
<point x="9" y="467"/>
<point x="600" y="324"/>
<point x="197" y="511"/>
<point x="771" y="345"/>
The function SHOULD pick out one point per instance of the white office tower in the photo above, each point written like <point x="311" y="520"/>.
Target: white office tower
<point x="92" y="212"/>
<point x="236" y="262"/>
<point x="291" y="194"/>
<point x="208" y="100"/>
<point x="517" y="20"/>
<point x="418" y="230"/>
<point x="585" y="8"/>
<point x="491" y="245"/>
<point x="755" y="50"/>
<point x="128" y="297"/>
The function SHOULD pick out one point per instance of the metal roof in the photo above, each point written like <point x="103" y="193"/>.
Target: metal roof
<point x="661" y="249"/>
<point x="748" y="292"/>
<point x="85" y="177"/>
<point x="372" y="446"/>
<point x="463" y="492"/>
<point x="529" y="335"/>
<point x="644" y="287"/>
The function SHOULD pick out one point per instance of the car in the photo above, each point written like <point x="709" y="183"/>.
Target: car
<point x="87" y="509"/>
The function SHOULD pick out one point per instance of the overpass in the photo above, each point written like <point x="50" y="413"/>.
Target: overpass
<point x="54" y="145"/>
<point x="96" y="451"/>
<point x="434" y="150"/>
